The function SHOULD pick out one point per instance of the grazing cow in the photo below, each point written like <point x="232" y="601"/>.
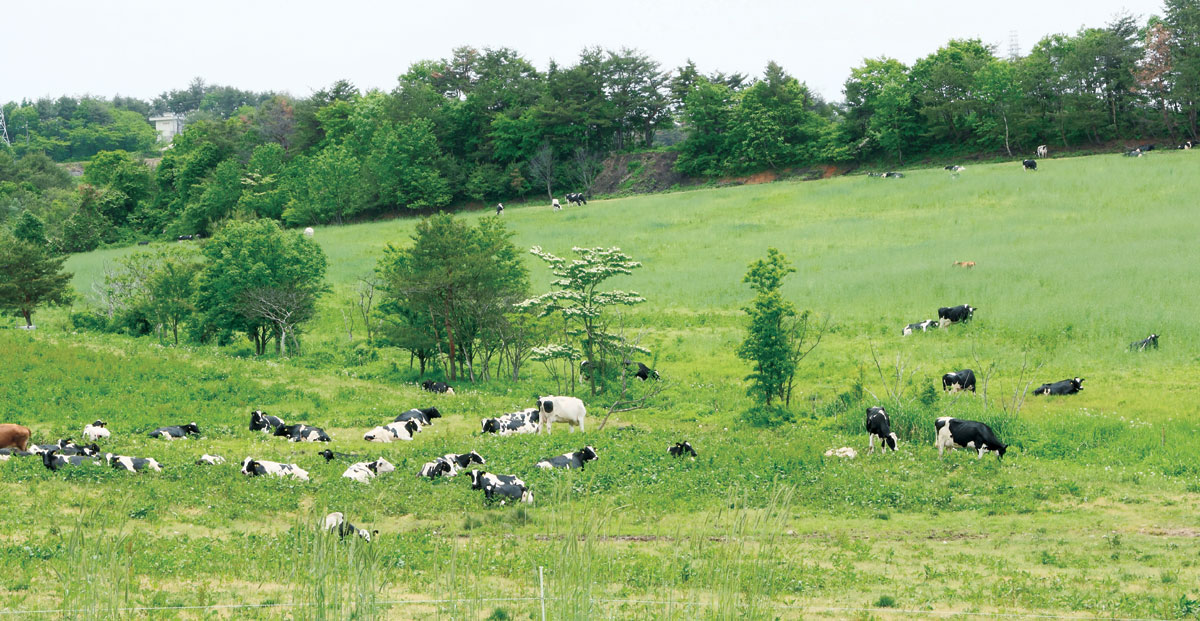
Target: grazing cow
<point x="923" y="326"/>
<point x="131" y="464"/>
<point x="525" y="421"/>
<point x="569" y="410"/>
<point x="1144" y="344"/>
<point x="554" y="203"/>
<point x="309" y="232"/>
<point x="364" y="471"/>
<point x="959" y="380"/>
<point x="954" y="314"/>
<point x="879" y="426"/>
<point x="1029" y="164"/>
<point x="330" y="455"/>
<point x="499" y="208"/>
<point x="423" y="416"/>
<point x="682" y="448"/>
<point x="53" y="462"/>
<point x="570" y="460"/>
<point x="96" y="430"/>
<point x="1042" y="151"/>
<point x="393" y="431"/>
<point x="14" y="436"/>
<point x="336" y="523"/>
<point x="955" y="433"/>
<point x="302" y="433"/>
<point x="172" y="433"/>
<point x="644" y="372"/>
<point x="210" y="460"/>
<point x="576" y="198"/>
<point x="1134" y="153"/>
<point x="261" y="421"/>
<point x="1065" y="387"/>
<point x="505" y="485"/>
<point x="441" y="387"/>
<point x="255" y="468"/>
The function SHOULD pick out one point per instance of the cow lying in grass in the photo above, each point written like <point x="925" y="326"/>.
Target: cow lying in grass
<point x="525" y="421"/>
<point x="682" y="448"/>
<point x="1150" y="342"/>
<point x="256" y="468"/>
<point x="131" y="464"/>
<point x="302" y="433"/>
<point x="176" y="432"/>
<point x="393" y="431"/>
<point x="261" y="421"/>
<point x="1064" y="387"/>
<point x="505" y="486"/>
<point x="364" y="471"/>
<point x="449" y="464"/>
<point x="95" y="431"/>
<point x="424" y="416"/>
<point x="52" y="461"/>
<point x="570" y="460"/>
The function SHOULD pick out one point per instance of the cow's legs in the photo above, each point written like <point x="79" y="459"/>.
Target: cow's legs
<point x="871" y="441"/>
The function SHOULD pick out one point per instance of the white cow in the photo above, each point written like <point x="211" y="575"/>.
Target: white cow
<point x="96" y="431"/>
<point x="308" y="232"/>
<point x="1042" y="151"/>
<point x="253" y="467"/>
<point x="569" y="410"/>
<point x="403" y="430"/>
<point x="364" y="471"/>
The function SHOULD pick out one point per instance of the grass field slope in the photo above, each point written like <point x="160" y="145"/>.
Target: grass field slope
<point x="1094" y="512"/>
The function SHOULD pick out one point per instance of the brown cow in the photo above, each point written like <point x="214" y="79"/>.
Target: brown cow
<point x="14" y="435"/>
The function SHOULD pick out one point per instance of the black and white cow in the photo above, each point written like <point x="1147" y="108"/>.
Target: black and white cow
<point x="210" y="460"/>
<point x="393" y="431"/>
<point x="53" y="461"/>
<point x="1147" y="147"/>
<point x="261" y="421"/>
<point x="570" y="460"/>
<point x="440" y="387"/>
<point x="955" y="314"/>
<point x="449" y="464"/>
<point x="880" y="426"/>
<point x="423" y="416"/>
<point x="644" y="372"/>
<point x="1144" y="344"/>
<point x="260" y="467"/>
<point x="330" y="455"/>
<point x="8" y="452"/>
<point x="1065" y="387"/>
<point x="959" y="380"/>
<point x="131" y="464"/>
<point x="506" y="486"/>
<point x="955" y="433"/>
<point x="569" y="410"/>
<point x="682" y="448"/>
<point x="576" y="198"/>
<point x="954" y="168"/>
<point x="302" y="433"/>
<point x="336" y="523"/>
<point x="67" y="447"/>
<point x="172" y="433"/>
<point x="364" y="471"/>
<point x="893" y="175"/>
<point x="1134" y="153"/>
<point x="525" y="421"/>
<point x="922" y="326"/>
<point x="1029" y="164"/>
<point x="96" y="430"/>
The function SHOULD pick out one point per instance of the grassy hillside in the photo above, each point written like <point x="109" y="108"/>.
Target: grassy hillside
<point x="1092" y="512"/>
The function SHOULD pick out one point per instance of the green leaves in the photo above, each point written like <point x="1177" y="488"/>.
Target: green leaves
<point x="31" y="277"/>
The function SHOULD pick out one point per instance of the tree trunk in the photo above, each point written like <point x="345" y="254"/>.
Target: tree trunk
<point x="1007" y="147"/>
<point x="449" y="333"/>
<point x="28" y="317"/>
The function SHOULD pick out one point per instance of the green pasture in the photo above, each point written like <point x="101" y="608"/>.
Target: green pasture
<point x="1093" y="512"/>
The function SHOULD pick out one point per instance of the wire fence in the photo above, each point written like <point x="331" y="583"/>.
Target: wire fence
<point x="641" y="602"/>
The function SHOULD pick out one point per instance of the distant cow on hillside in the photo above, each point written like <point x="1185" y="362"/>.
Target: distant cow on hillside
<point x="576" y="198"/>
<point x="1144" y="344"/>
<point x="955" y="314"/>
<point x="1042" y="151"/>
<point x="1029" y="164"/>
<point x="1064" y="387"/>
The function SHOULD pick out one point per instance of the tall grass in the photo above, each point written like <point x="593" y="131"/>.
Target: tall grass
<point x="333" y="578"/>
<point x="95" y="571"/>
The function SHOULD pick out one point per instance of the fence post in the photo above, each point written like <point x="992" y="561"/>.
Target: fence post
<point x="542" y="591"/>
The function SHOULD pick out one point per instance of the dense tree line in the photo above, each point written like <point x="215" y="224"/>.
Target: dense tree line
<point x="486" y="125"/>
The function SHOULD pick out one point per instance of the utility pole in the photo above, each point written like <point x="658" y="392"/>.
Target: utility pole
<point x="1014" y="48"/>
<point x="4" y="129"/>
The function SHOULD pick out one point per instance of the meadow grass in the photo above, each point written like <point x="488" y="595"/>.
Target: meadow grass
<point x="1092" y="512"/>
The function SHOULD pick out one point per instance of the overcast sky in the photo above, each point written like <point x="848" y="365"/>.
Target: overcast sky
<point x="142" y="48"/>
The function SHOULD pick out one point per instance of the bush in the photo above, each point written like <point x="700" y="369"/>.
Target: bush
<point x="767" y="417"/>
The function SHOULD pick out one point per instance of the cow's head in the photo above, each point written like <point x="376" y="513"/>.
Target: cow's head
<point x="1078" y="383"/>
<point x="1000" y="450"/>
<point x="892" y="440"/>
<point x="427" y="385"/>
<point x="431" y="412"/>
<point x="48" y="459"/>
<point x="442" y="467"/>
<point x="91" y="449"/>
<point x="327" y="454"/>
<point x="99" y="423"/>
<point x="412" y="427"/>
<point x="383" y="465"/>
<point x="249" y="466"/>
<point x="285" y="430"/>
<point x="191" y="428"/>
<point x="588" y="453"/>
<point x="476" y="458"/>
<point x="476" y="479"/>
<point x="545" y="405"/>
<point x="490" y="425"/>
<point x="257" y="421"/>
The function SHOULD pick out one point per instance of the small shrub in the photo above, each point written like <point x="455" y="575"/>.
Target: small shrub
<point x="885" y="601"/>
<point x="767" y="417"/>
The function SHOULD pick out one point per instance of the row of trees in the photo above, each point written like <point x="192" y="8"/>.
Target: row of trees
<point x="486" y="125"/>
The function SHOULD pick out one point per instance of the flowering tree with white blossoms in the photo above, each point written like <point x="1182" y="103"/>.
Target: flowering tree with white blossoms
<point x="577" y="298"/>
